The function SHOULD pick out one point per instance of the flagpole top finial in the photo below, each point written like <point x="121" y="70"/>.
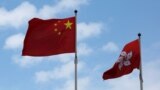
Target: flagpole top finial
<point x="75" y="11"/>
<point x="139" y="34"/>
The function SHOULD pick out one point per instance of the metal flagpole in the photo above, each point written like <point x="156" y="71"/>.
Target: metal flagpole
<point x="76" y="58"/>
<point x="140" y="74"/>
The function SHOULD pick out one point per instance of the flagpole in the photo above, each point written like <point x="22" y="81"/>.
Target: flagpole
<point x="140" y="67"/>
<point x="76" y="58"/>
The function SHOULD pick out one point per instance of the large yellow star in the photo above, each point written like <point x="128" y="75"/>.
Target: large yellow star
<point x="68" y="24"/>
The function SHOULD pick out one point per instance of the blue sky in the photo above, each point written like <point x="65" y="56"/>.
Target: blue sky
<point x="104" y="27"/>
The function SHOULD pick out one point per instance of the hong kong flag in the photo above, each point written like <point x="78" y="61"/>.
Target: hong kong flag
<point x="128" y="60"/>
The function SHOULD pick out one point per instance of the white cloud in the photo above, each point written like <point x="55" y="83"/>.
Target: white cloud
<point x="26" y="61"/>
<point x="83" y="49"/>
<point x="71" y="3"/>
<point x="65" y="71"/>
<point x="22" y="13"/>
<point x="63" y="58"/>
<point x="151" y="75"/>
<point x="14" y="41"/>
<point x="125" y="83"/>
<point x="17" y="16"/>
<point x="29" y="61"/>
<point x="61" y="6"/>
<point x="83" y="84"/>
<point x="110" y="47"/>
<point x="88" y="30"/>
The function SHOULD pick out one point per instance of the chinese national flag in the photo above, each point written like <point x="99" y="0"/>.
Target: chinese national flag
<point x="128" y="60"/>
<point x="50" y="37"/>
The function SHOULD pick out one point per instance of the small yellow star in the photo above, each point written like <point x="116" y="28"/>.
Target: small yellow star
<point x="55" y="24"/>
<point x="59" y="21"/>
<point x="55" y="29"/>
<point x="68" y="24"/>
<point x="59" y="33"/>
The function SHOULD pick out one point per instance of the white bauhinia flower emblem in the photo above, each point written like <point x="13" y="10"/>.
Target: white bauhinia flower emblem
<point x="124" y="59"/>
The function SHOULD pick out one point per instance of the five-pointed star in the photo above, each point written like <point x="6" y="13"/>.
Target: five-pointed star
<point x="68" y="24"/>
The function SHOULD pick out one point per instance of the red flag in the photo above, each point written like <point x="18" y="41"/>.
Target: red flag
<point x="50" y="37"/>
<point x="128" y="60"/>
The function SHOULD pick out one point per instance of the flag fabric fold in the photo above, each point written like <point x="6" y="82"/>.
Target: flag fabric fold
<point x="128" y="60"/>
<point x="50" y="37"/>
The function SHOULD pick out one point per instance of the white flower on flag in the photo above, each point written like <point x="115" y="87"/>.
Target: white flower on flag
<point x="124" y="59"/>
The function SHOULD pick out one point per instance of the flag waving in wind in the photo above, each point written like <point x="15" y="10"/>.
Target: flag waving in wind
<point x="128" y="60"/>
<point x="50" y="37"/>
